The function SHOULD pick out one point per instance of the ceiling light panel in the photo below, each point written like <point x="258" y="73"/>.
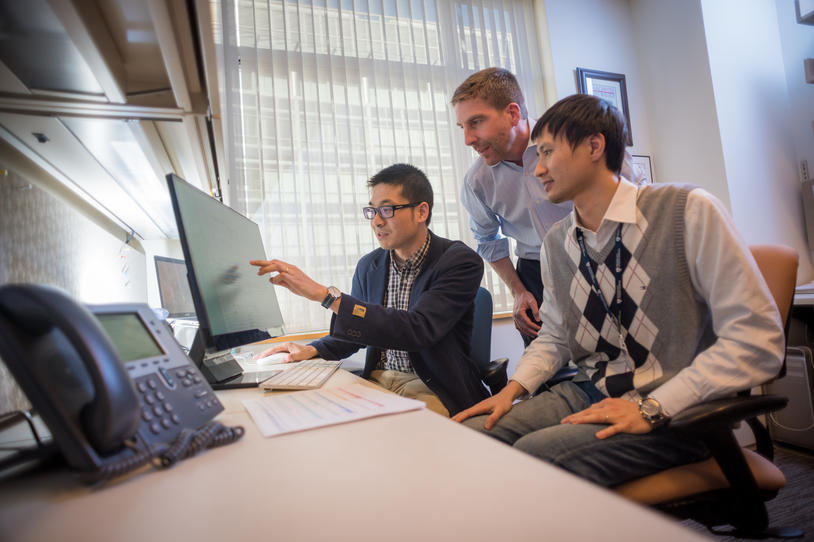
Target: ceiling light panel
<point x="92" y="177"/>
<point x="35" y="46"/>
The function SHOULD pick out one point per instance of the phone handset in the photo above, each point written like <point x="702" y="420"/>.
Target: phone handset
<point x="112" y="416"/>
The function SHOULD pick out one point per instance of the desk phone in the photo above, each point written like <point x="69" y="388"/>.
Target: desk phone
<point x="110" y="381"/>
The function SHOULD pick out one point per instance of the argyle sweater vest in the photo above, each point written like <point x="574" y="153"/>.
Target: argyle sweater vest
<point x="665" y="323"/>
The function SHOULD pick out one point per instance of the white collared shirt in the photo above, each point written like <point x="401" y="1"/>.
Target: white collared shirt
<point x="748" y="329"/>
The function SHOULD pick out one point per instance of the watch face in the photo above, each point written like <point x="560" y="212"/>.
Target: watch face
<point x="651" y="407"/>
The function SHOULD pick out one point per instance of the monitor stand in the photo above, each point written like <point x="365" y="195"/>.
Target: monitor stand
<point x="222" y="370"/>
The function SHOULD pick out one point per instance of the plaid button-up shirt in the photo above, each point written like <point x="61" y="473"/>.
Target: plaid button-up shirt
<point x="400" y="279"/>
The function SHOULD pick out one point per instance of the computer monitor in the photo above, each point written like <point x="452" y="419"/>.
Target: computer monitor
<point x="234" y="305"/>
<point x="173" y="287"/>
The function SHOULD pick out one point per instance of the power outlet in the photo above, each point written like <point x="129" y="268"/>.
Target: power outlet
<point x="804" y="170"/>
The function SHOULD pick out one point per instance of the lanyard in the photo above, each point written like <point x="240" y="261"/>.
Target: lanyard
<point x="617" y="274"/>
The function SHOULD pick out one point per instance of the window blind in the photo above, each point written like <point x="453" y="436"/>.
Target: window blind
<point x="319" y="95"/>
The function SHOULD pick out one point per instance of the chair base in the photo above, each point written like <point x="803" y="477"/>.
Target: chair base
<point x="723" y="516"/>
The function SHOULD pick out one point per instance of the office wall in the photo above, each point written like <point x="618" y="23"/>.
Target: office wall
<point x="716" y="95"/>
<point x="660" y="47"/>
<point x="44" y="240"/>
<point x="758" y="141"/>
<point x="797" y="43"/>
<point x="598" y="35"/>
<point x="678" y="94"/>
<point x="506" y="342"/>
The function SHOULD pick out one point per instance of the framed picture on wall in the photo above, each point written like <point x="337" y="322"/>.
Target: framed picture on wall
<point x="608" y="86"/>
<point x="643" y="165"/>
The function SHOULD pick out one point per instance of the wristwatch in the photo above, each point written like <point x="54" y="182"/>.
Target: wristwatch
<point x="651" y="411"/>
<point x="333" y="295"/>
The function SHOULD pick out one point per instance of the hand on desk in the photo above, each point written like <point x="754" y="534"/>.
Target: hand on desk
<point x="623" y="416"/>
<point x="296" y="352"/>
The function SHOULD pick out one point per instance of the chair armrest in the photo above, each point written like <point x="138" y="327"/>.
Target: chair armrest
<point x="566" y="373"/>
<point x="712" y="422"/>
<point x="494" y="366"/>
<point x="494" y="375"/>
<point x="725" y="412"/>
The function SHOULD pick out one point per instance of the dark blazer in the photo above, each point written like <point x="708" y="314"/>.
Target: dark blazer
<point x="436" y="330"/>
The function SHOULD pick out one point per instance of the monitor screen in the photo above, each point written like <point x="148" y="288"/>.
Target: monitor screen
<point x="234" y="305"/>
<point x="173" y="287"/>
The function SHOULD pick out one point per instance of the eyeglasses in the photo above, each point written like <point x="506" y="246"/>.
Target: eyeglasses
<point x="385" y="211"/>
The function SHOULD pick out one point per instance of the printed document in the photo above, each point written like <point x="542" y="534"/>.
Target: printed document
<point x="301" y="410"/>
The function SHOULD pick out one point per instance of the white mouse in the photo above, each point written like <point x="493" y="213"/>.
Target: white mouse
<point x="279" y="357"/>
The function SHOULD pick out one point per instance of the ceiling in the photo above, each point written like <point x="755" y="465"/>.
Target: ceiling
<point x="107" y="97"/>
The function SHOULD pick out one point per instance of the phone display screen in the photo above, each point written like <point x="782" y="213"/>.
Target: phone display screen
<point x="130" y="336"/>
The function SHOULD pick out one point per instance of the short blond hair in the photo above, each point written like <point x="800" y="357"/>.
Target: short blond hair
<point x="495" y="86"/>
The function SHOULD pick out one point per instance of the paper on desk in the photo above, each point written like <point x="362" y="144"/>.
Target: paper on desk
<point x="301" y="410"/>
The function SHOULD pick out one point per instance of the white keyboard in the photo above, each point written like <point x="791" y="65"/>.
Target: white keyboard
<point x="303" y="375"/>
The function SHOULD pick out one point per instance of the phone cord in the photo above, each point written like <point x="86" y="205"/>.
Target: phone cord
<point x="190" y="442"/>
<point x="123" y="466"/>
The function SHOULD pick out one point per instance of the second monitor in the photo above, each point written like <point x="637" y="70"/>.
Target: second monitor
<point x="173" y="287"/>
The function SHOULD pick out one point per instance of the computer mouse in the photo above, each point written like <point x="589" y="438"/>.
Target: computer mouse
<point x="279" y="357"/>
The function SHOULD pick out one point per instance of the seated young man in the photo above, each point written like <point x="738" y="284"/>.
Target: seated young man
<point x="650" y="291"/>
<point x="411" y="302"/>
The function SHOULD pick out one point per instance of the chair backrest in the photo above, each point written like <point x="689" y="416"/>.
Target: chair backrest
<point x="778" y="265"/>
<point x="481" y="342"/>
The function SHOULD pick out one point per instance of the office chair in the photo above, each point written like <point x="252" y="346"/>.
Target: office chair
<point x="493" y="373"/>
<point x="731" y="487"/>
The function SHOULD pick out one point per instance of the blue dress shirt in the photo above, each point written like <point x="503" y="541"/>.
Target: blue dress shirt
<point x="508" y="199"/>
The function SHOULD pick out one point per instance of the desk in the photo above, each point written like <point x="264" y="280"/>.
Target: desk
<point x="411" y="476"/>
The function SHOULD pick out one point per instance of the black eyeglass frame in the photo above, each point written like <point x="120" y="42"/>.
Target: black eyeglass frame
<point x="373" y="211"/>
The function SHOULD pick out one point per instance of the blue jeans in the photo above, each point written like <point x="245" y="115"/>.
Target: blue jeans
<point x="533" y="426"/>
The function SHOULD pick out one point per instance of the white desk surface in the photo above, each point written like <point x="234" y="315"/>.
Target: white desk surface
<point x="411" y="476"/>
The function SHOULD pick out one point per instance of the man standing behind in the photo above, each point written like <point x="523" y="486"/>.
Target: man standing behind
<point x="652" y="293"/>
<point x="500" y="191"/>
<point x="411" y="302"/>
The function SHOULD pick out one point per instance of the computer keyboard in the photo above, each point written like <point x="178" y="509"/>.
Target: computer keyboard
<point x="303" y="375"/>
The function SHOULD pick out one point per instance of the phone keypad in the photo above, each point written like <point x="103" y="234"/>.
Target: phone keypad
<point x="158" y="399"/>
<point x="157" y="411"/>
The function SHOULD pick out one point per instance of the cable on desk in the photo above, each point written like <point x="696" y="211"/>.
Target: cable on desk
<point x="188" y="443"/>
<point x="123" y="466"/>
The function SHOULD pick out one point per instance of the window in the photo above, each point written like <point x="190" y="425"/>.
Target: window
<point x="320" y="95"/>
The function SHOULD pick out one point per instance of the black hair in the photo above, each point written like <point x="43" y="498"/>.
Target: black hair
<point x="580" y="116"/>
<point x="413" y="182"/>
